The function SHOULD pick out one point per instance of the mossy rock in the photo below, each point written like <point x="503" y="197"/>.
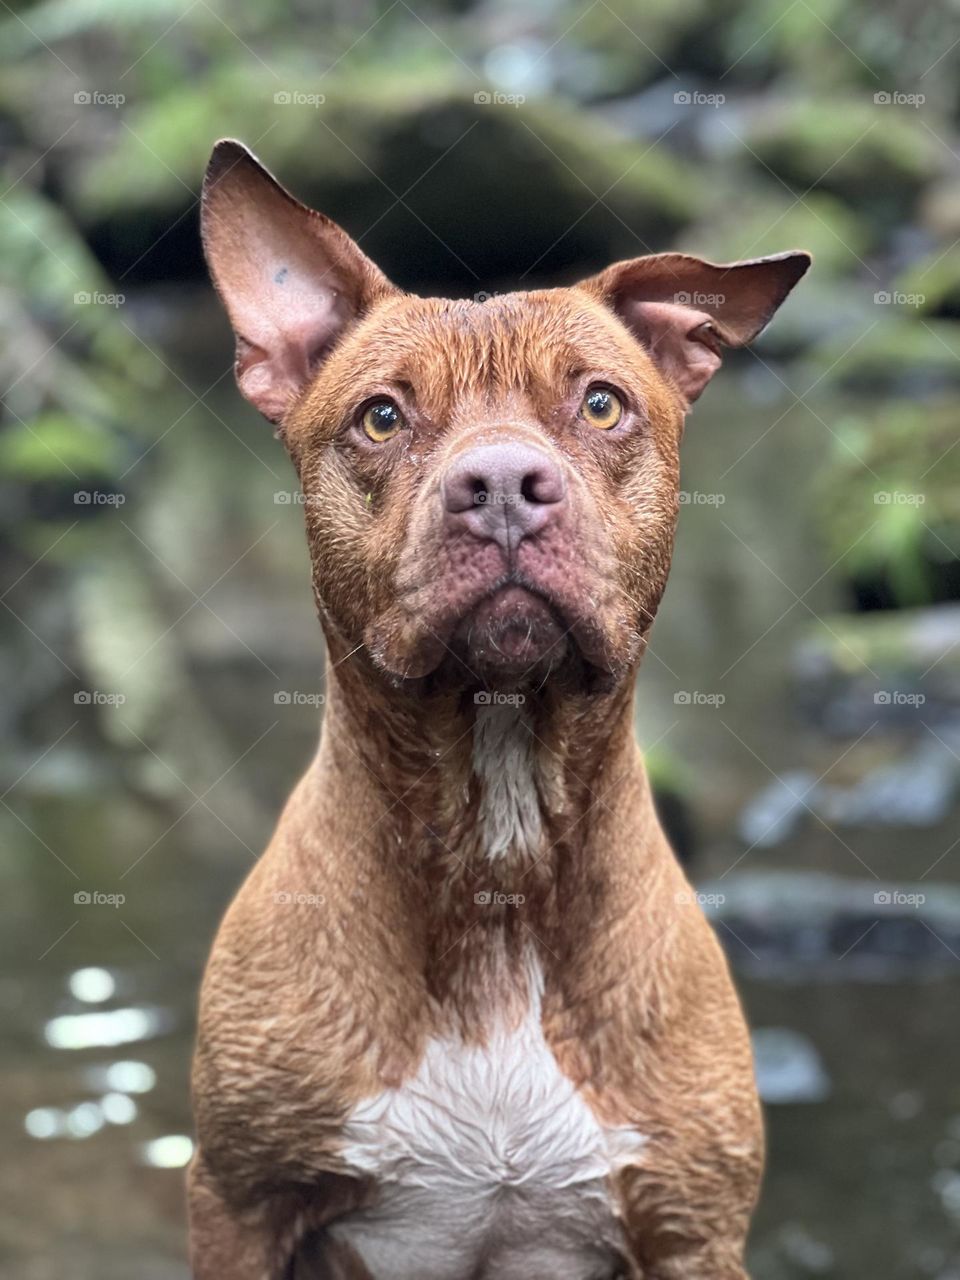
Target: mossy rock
<point x="56" y="446"/>
<point x="875" y="157"/>
<point x="901" y="353"/>
<point x="751" y="223"/>
<point x="888" y="498"/>
<point x="936" y="280"/>
<point x="437" y="186"/>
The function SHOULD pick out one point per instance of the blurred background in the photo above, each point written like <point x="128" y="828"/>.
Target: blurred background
<point x="161" y="663"/>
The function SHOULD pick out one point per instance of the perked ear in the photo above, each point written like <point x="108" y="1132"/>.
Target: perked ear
<point x="291" y="280"/>
<point x="684" y="310"/>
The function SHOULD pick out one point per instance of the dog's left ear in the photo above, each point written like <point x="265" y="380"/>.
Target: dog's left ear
<point x="684" y="310"/>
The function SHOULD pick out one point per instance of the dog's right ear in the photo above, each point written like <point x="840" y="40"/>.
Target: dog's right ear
<point x="291" y="280"/>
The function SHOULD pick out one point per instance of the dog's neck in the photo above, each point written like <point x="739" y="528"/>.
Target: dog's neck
<point x="495" y="782"/>
<point x="479" y="835"/>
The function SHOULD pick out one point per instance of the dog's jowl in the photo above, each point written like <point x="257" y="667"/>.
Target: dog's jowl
<point x="465" y="1019"/>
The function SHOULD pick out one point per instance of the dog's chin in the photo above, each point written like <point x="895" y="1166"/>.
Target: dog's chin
<point x="511" y="637"/>
<point x="514" y="638"/>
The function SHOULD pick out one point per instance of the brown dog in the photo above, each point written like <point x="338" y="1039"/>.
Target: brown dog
<point x="465" y="1019"/>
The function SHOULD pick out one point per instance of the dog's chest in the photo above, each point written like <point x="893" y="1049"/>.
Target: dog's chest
<point x="487" y="1163"/>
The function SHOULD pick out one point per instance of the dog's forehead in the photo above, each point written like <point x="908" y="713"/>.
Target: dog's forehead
<point x="506" y="342"/>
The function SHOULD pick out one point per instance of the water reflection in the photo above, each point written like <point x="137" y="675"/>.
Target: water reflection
<point x="114" y="1027"/>
<point x="171" y="1152"/>
<point x="92" y="985"/>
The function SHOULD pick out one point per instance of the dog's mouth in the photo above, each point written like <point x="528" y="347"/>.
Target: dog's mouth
<point x="515" y="636"/>
<point x="510" y="632"/>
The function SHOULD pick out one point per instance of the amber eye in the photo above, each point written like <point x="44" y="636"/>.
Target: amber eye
<point x="602" y="408"/>
<point x="381" y="421"/>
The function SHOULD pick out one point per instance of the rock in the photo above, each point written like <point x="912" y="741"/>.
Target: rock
<point x="773" y="814"/>
<point x="783" y="925"/>
<point x="788" y="1067"/>
<point x="917" y="791"/>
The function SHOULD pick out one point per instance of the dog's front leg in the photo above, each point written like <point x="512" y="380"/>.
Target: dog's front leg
<point x="226" y="1242"/>
<point x="281" y="1238"/>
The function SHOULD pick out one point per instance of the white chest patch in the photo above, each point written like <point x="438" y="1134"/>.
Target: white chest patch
<point x="504" y="762"/>
<point x="489" y="1164"/>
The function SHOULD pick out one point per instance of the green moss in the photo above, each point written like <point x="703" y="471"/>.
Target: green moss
<point x="936" y="279"/>
<point x="875" y="156"/>
<point x="56" y="446"/>
<point x="766" y="219"/>
<point x="888" y="498"/>
<point x="901" y="350"/>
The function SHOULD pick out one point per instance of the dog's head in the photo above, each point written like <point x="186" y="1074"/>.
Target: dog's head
<point x="491" y="487"/>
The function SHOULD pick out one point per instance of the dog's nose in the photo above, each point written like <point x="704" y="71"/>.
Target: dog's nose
<point x="503" y="493"/>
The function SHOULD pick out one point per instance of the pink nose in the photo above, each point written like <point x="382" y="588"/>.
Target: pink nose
<point x="502" y="493"/>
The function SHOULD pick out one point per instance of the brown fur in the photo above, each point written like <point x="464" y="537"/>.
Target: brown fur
<point x="308" y="1009"/>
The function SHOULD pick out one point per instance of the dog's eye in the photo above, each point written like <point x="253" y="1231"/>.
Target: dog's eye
<point x="601" y="408"/>
<point x="381" y="421"/>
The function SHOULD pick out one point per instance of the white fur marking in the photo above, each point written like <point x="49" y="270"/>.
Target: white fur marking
<point x="503" y="761"/>
<point x="487" y="1163"/>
